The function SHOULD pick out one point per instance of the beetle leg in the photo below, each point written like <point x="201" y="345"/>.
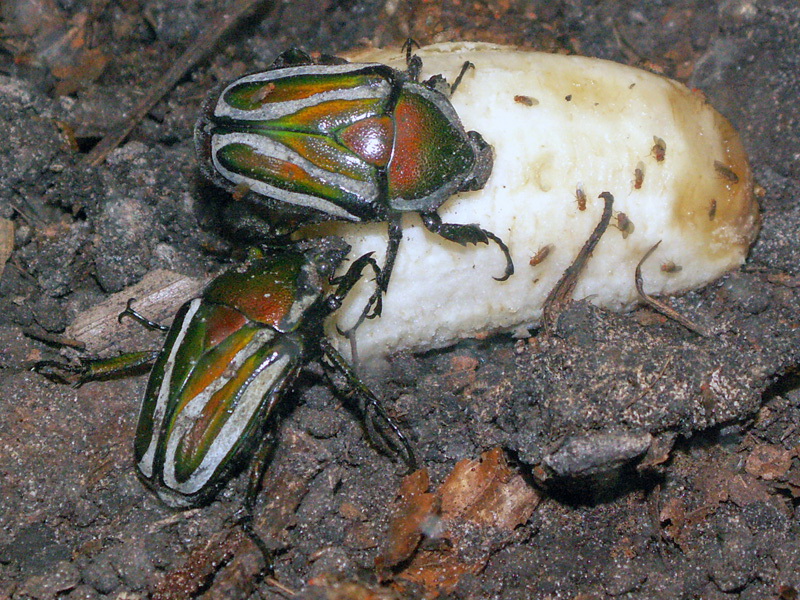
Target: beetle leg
<point x="139" y="318"/>
<point x="464" y="68"/>
<point x="357" y="387"/>
<point x="395" y="235"/>
<point x="375" y="303"/>
<point x="244" y="517"/>
<point x="346" y="282"/>
<point x="94" y="370"/>
<point x="62" y="373"/>
<point x="438" y="83"/>
<point x="467" y="234"/>
<point x="413" y="62"/>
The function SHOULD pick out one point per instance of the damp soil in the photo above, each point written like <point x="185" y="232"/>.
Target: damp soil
<point x="663" y="464"/>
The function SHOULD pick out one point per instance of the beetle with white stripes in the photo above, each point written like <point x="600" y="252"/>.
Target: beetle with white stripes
<point x="332" y="140"/>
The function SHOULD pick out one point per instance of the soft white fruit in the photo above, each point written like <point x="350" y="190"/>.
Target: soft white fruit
<point x="559" y="124"/>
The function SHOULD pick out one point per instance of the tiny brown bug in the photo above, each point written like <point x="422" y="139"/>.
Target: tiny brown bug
<point x="725" y="172"/>
<point x="541" y="254"/>
<point x="712" y="210"/>
<point x="525" y="100"/>
<point x="659" y="149"/>
<point x="638" y="175"/>
<point x="580" y="196"/>
<point x="624" y="224"/>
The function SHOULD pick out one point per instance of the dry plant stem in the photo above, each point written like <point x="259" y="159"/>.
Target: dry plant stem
<point x="282" y="589"/>
<point x="652" y="384"/>
<point x="661" y="307"/>
<point x="218" y="27"/>
<point x="562" y="292"/>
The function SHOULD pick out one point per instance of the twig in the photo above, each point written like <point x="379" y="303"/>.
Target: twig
<point x="218" y="27"/>
<point x="652" y="384"/>
<point x="661" y="307"/>
<point x="271" y="581"/>
<point x="562" y="292"/>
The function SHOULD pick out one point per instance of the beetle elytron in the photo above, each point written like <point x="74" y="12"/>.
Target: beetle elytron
<point x="346" y="141"/>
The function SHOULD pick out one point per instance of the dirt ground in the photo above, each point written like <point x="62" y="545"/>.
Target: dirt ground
<point x="636" y="459"/>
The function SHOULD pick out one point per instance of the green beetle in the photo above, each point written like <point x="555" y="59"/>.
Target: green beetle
<point x="230" y="356"/>
<point x="228" y="359"/>
<point x="346" y="141"/>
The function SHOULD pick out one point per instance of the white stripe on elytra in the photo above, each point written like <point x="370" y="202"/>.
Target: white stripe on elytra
<point x="271" y="148"/>
<point x="274" y="110"/>
<point x="311" y="294"/>
<point x="146" y="463"/>
<point x="230" y="432"/>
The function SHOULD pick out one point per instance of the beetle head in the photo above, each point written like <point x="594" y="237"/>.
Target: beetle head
<point x="325" y="253"/>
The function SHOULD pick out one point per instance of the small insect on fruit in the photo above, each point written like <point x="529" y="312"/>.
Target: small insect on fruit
<point x="228" y="359"/>
<point x="332" y="140"/>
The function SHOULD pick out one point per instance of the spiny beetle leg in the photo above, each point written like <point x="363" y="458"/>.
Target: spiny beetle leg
<point x="413" y="62"/>
<point x="395" y="236"/>
<point x="357" y="387"/>
<point x="439" y="84"/>
<point x="244" y="517"/>
<point x="61" y="373"/>
<point x="467" y="234"/>
<point x="509" y="263"/>
<point x="139" y="318"/>
<point x="464" y="68"/>
<point x="346" y="282"/>
<point x="375" y="303"/>
<point x="94" y="370"/>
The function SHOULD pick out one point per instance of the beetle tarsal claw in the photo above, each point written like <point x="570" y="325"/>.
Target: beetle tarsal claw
<point x="467" y="234"/>
<point x="59" y="372"/>
<point x="139" y="318"/>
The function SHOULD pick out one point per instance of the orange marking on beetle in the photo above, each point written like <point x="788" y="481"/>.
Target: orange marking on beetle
<point x="408" y="165"/>
<point x="371" y="139"/>
<point x="295" y="87"/>
<point x="212" y="371"/>
<point x="326" y="117"/>
<point x="221" y="323"/>
<point x="215" y="413"/>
